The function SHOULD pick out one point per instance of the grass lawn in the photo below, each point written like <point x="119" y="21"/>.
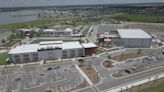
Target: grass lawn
<point x="99" y="51"/>
<point x="159" y="87"/>
<point x="43" y="22"/>
<point x="3" y="57"/>
<point x="154" y="18"/>
<point x="14" y="26"/>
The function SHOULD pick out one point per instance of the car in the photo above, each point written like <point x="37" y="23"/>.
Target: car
<point x="18" y="79"/>
<point x="49" y="68"/>
<point x="42" y="74"/>
<point x="163" y="52"/>
<point x="56" y="67"/>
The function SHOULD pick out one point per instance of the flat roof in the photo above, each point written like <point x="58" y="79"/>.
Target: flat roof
<point x="27" y="48"/>
<point x="49" y="30"/>
<point x="52" y="46"/>
<point x="133" y="33"/>
<point x="50" y="42"/>
<point x="68" y="30"/>
<point x="71" y="45"/>
<point x="59" y="30"/>
<point x="89" y="45"/>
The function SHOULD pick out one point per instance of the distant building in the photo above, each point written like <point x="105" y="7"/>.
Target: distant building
<point x="50" y="50"/>
<point x="59" y="32"/>
<point x="29" y="30"/>
<point x="129" y="38"/>
<point x="47" y="32"/>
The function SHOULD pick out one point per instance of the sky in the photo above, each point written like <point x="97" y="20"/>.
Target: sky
<point x="24" y="3"/>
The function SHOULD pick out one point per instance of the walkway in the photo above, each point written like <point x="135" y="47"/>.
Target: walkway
<point x="136" y="83"/>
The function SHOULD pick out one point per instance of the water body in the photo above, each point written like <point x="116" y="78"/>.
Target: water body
<point x="5" y="17"/>
<point x="8" y="17"/>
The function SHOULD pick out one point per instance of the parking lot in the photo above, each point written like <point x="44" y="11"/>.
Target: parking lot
<point x="36" y="78"/>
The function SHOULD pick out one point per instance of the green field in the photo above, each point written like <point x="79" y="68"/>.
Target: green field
<point x="3" y="57"/>
<point x="40" y="22"/>
<point x="44" y="22"/>
<point x="159" y="87"/>
<point x="77" y="20"/>
<point x="153" y="18"/>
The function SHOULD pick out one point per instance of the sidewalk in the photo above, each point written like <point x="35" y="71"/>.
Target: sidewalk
<point x="136" y="83"/>
<point x="84" y="75"/>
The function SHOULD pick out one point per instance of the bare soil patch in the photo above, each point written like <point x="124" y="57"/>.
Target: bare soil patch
<point x="123" y="57"/>
<point x="107" y="64"/>
<point x="90" y="72"/>
<point x="117" y="74"/>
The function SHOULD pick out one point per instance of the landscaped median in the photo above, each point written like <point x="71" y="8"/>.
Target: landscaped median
<point x="107" y="64"/>
<point x="90" y="72"/>
<point x="126" y="56"/>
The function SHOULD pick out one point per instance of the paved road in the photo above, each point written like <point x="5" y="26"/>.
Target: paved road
<point x="110" y="82"/>
<point x="93" y="35"/>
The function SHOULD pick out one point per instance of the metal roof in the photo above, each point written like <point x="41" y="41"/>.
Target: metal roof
<point x="59" y="30"/>
<point x="24" y="49"/>
<point x="49" y="30"/>
<point x="50" y="42"/>
<point x="133" y="33"/>
<point x="28" y="48"/>
<point x="71" y="45"/>
<point x="89" y="45"/>
<point x="68" y="30"/>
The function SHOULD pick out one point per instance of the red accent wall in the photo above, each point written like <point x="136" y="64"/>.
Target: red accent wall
<point x="90" y="51"/>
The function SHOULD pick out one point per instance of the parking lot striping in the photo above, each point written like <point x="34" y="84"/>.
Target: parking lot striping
<point x="31" y="76"/>
<point x="77" y="90"/>
<point x="19" y="85"/>
<point x="5" y="83"/>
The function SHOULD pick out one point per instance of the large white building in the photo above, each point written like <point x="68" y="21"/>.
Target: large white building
<point x="129" y="38"/>
<point x="51" y="50"/>
<point x="134" y="38"/>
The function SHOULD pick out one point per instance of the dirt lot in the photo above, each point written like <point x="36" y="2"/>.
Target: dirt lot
<point x="90" y="72"/>
<point x="107" y="64"/>
<point x="123" y="57"/>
